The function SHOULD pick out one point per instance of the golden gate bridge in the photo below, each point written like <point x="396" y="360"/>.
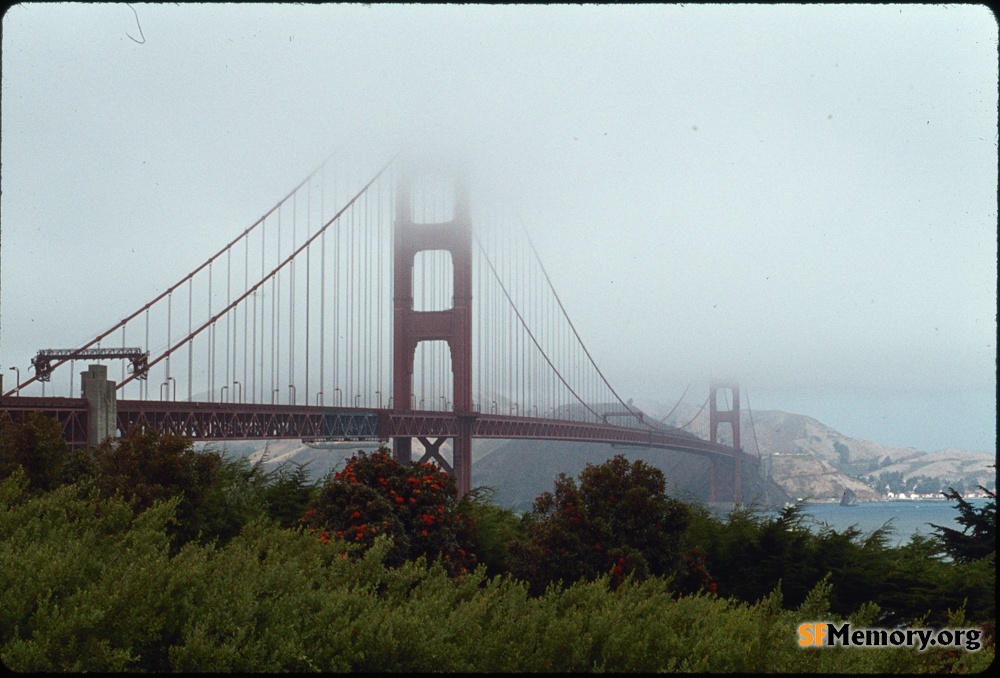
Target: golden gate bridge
<point x="369" y="303"/>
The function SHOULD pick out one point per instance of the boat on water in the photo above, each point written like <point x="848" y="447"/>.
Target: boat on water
<point x="849" y="498"/>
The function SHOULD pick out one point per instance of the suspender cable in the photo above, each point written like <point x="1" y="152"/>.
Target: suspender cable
<point x="274" y="334"/>
<point x="180" y="282"/>
<point x="291" y="308"/>
<point x="259" y="392"/>
<point x="308" y="285"/>
<point x="190" y="343"/>
<point x="337" y="268"/>
<point x="229" y="289"/>
<point x="252" y="386"/>
<point x="530" y="334"/>
<point x="349" y="363"/>
<point x="378" y="277"/>
<point x="390" y="244"/>
<point x="522" y="354"/>
<point x="169" y="301"/>
<point x="322" y="289"/>
<point x="367" y="338"/>
<point x="277" y="321"/>
<point x="570" y="322"/>
<point x="145" y="382"/>
<point x="423" y="306"/>
<point x="211" y="343"/>
<point x="246" y="317"/>
<point x="276" y="269"/>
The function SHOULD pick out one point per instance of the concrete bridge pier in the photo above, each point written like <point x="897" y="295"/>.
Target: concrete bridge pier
<point x="102" y="404"/>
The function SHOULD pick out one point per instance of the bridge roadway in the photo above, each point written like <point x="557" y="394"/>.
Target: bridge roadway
<point x="205" y="421"/>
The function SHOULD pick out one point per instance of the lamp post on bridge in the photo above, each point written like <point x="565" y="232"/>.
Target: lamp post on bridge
<point x="515" y="408"/>
<point x="379" y="399"/>
<point x="239" y="398"/>
<point x="318" y="394"/>
<point x="222" y="393"/>
<point x="18" y="371"/>
<point x="273" y="399"/>
<point x="291" y="394"/>
<point x="340" y="398"/>
<point x="167" y="384"/>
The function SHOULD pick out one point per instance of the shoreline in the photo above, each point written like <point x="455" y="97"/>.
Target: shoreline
<point x="936" y="500"/>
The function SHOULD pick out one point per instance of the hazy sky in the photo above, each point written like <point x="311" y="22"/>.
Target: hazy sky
<point x="803" y="198"/>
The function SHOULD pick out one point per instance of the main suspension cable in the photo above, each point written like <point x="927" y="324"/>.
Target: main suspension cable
<point x="274" y="272"/>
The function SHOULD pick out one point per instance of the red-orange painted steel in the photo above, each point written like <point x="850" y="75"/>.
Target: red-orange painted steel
<point x="453" y="325"/>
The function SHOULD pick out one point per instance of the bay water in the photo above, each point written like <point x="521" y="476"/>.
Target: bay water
<point x="905" y="517"/>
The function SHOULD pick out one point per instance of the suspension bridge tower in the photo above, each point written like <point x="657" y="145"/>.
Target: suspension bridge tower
<point x="452" y="325"/>
<point x="732" y="417"/>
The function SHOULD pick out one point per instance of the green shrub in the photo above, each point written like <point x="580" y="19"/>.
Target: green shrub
<point x="35" y="443"/>
<point x="492" y="527"/>
<point x="619" y="521"/>
<point x="87" y="585"/>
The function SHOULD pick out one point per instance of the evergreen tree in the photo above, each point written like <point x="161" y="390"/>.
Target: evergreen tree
<point x="35" y="443"/>
<point x="978" y="537"/>
<point x="618" y="521"/>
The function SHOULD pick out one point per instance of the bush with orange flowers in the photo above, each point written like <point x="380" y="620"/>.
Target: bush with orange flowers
<point x="414" y="505"/>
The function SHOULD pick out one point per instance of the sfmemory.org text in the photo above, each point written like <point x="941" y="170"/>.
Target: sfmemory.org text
<point x="829" y="634"/>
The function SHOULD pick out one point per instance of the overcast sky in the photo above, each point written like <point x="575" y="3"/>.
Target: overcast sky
<point x="803" y="198"/>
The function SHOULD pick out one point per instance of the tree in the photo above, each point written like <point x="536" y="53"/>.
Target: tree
<point x="618" y="521"/>
<point x="286" y="493"/>
<point x="35" y="443"/>
<point x="978" y="537"/>
<point x="492" y="528"/>
<point x="217" y="495"/>
<point x="415" y="505"/>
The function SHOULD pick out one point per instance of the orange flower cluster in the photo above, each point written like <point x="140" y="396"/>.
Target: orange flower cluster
<point x="418" y="503"/>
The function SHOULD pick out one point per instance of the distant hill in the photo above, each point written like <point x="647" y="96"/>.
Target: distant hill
<point x="811" y="460"/>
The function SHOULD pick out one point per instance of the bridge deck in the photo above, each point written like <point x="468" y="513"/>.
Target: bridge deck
<point x="234" y="421"/>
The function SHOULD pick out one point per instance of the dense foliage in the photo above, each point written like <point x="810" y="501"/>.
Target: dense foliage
<point x="87" y="585"/>
<point x="750" y="553"/>
<point x="149" y="556"/>
<point x="618" y="521"/>
<point x="414" y="505"/>
<point x="35" y="443"/>
<point x="978" y="537"/>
